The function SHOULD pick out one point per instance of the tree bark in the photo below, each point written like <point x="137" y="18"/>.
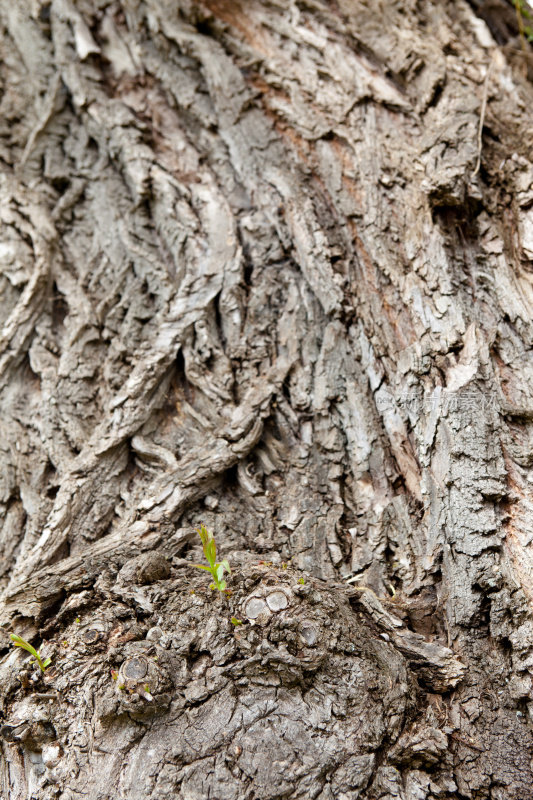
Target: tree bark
<point x="266" y="266"/>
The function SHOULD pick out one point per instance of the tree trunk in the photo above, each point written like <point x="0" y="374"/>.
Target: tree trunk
<point x="266" y="266"/>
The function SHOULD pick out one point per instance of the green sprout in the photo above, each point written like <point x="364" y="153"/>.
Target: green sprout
<point x="524" y="12"/>
<point x="235" y="621"/>
<point x="18" y="641"/>
<point x="210" y="553"/>
<point x="301" y="580"/>
<point x="146" y="693"/>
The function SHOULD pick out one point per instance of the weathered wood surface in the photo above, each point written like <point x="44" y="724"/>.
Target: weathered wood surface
<point x="267" y="266"/>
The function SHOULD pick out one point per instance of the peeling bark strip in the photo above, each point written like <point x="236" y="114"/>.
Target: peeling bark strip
<point x="266" y="266"/>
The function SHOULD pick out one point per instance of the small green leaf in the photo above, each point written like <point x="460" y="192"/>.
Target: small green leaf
<point x="301" y="580"/>
<point x="236" y="621"/>
<point x="204" y="534"/>
<point x="211" y="552"/>
<point x="20" y="642"/>
<point x="47" y="662"/>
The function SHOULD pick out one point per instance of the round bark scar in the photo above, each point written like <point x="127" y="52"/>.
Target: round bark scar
<point x="91" y="636"/>
<point x="255" y="606"/>
<point x="308" y="634"/>
<point x="277" y="600"/>
<point x="136" y="669"/>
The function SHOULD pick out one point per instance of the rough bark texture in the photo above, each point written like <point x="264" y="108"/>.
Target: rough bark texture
<point x="266" y="266"/>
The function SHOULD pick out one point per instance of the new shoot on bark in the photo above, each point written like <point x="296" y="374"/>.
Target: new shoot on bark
<point x="210" y="553"/>
<point x="18" y="641"/>
<point x="524" y="15"/>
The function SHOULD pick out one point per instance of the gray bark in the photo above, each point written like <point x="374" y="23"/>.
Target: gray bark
<point x="266" y="266"/>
